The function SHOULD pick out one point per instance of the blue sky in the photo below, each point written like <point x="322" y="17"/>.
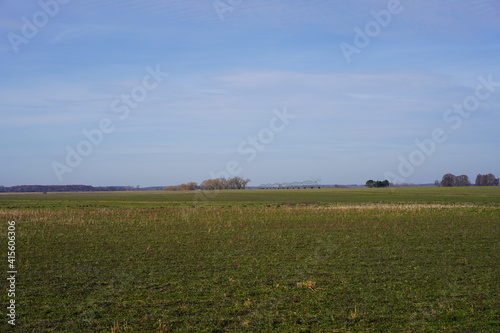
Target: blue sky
<point x="232" y="67"/>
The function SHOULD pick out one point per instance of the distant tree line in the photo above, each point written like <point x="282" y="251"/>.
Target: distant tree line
<point x="372" y="183"/>
<point x="59" y="188"/>
<point x="235" y="183"/>
<point x="191" y="186"/>
<point x="450" y="180"/>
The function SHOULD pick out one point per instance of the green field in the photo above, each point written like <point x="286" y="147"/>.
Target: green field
<point x="323" y="260"/>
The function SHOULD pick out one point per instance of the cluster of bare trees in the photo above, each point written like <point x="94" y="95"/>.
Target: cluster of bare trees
<point x="487" y="180"/>
<point x="449" y="180"/>
<point x="235" y="183"/>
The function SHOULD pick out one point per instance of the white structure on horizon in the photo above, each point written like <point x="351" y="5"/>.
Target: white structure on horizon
<point x="305" y="184"/>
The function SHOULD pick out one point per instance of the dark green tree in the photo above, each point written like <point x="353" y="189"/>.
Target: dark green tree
<point x="371" y="183"/>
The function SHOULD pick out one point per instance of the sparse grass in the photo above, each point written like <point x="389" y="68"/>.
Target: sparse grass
<point x="249" y="198"/>
<point x="420" y="260"/>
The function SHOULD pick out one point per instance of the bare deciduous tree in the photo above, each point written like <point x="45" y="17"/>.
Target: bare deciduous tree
<point x="237" y="183"/>
<point x="448" y="180"/>
<point x="462" y="180"/>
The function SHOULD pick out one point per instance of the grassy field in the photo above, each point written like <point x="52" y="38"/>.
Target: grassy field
<point x="327" y="260"/>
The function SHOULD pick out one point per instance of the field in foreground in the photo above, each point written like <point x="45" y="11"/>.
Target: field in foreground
<point x="403" y="260"/>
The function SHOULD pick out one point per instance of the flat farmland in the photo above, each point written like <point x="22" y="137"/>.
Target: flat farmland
<point x="316" y="260"/>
